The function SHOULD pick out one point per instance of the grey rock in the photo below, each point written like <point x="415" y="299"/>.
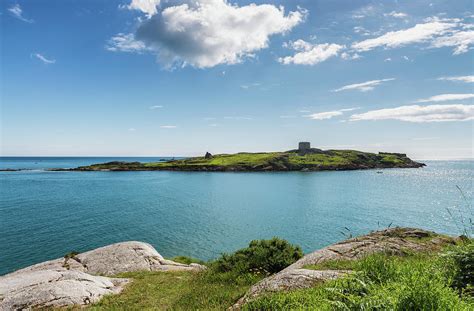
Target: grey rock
<point x="54" y="288"/>
<point x="74" y="280"/>
<point x="113" y="259"/>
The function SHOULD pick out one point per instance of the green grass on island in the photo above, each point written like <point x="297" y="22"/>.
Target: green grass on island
<point x="441" y="279"/>
<point x="315" y="159"/>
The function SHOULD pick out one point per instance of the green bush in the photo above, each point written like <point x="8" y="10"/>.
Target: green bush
<point x="462" y="260"/>
<point x="260" y="257"/>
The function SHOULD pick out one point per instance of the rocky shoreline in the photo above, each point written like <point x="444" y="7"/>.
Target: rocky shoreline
<point x="83" y="279"/>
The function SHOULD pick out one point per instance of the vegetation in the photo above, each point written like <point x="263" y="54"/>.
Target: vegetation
<point x="274" y="161"/>
<point x="417" y="281"/>
<point x="387" y="282"/>
<point x="261" y="257"/>
<point x="224" y="282"/>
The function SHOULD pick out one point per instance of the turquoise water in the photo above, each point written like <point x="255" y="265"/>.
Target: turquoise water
<point x="44" y="215"/>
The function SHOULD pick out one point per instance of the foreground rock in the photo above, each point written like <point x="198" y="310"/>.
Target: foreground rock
<point x="73" y="280"/>
<point x="396" y="241"/>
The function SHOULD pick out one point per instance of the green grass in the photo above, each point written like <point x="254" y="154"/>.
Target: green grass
<point x="330" y="159"/>
<point x="187" y="260"/>
<point x="379" y="282"/>
<point x="178" y="291"/>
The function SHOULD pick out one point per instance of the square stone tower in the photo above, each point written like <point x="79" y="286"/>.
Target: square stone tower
<point x="304" y="146"/>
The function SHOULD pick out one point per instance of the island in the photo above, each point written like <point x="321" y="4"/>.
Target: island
<point x="304" y="158"/>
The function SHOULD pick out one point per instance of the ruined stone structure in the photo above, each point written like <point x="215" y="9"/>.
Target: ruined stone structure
<point x="304" y="147"/>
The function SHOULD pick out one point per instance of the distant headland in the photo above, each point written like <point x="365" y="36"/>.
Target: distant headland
<point x="304" y="158"/>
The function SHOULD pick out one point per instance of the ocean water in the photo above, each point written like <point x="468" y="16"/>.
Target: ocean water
<point x="44" y="215"/>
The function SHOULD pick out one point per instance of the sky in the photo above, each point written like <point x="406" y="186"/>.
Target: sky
<point x="182" y="77"/>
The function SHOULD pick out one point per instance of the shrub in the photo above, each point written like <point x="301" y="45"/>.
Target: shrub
<point x="260" y="257"/>
<point x="462" y="260"/>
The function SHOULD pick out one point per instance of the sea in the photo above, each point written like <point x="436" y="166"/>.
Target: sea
<point x="46" y="214"/>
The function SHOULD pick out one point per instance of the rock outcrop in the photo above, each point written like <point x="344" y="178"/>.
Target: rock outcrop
<point x="397" y="241"/>
<point x="74" y="279"/>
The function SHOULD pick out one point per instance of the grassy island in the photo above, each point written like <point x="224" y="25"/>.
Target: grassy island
<point x="311" y="160"/>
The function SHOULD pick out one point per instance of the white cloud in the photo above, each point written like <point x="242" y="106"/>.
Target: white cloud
<point x="125" y="43"/>
<point x="415" y="34"/>
<point x="364" y="86"/>
<point x="248" y="86"/>
<point x="17" y="12"/>
<point x="435" y="31"/>
<point x="310" y="54"/>
<point x="348" y="56"/>
<point x="132" y="129"/>
<point x="146" y="6"/>
<point x="329" y="114"/>
<point x="466" y="79"/>
<point x="168" y="126"/>
<point x="396" y="14"/>
<point x="388" y="59"/>
<point x="206" y="33"/>
<point x="416" y="113"/>
<point x="156" y="107"/>
<point x="445" y="97"/>
<point x="238" y="118"/>
<point x="44" y="59"/>
<point x="460" y="40"/>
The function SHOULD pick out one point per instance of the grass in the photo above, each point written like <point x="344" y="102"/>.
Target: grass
<point x="379" y="282"/>
<point x="331" y="159"/>
<point x="178" y="291"/>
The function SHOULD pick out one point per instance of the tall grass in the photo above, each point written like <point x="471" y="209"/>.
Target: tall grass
<point x="379" y="282"/>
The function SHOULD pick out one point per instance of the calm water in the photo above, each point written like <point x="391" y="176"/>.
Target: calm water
<point x="44" y="215"/>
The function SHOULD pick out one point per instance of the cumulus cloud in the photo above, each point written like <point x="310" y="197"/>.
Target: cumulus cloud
<point x="329" y="114"/>
<point x="445" y="97"/>
<point x="364" y="86"/>
<point x="146" y="6"/>
<point x="44" y="59"/>
<point x="206" y="33"/>
<point x="16" y="11"/>
<point x="168" y="126"/>
<point x="466" y="79"/>
<point x="416" y="34"/>
<point x="310" y="54"/>
<point x="416" y="113"/>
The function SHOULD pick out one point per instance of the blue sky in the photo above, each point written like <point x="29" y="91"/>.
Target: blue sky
<point x="170" y="77"/>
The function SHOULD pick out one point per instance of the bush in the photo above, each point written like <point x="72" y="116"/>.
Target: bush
<point x="260" y="257"/>
<point x="462" y="260"/>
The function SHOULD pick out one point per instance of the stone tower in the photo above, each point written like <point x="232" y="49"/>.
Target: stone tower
<point x="304" y="146"/>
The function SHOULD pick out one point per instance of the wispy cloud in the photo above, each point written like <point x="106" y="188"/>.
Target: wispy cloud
<point x="238" y="118"/>
<point x="416" y="113"/>
<point x="466" y="79"/>
<point x="155" y="107"/>
<point x="126" y="43"/>
<point x="248" y="86"/>
<point x="168" y="126"/>
<point x="396" y="14"/>
<point x="310" y="54"/>
<point x="287" y="117"/>
<point x="329" y="114"/>
<point x="44" y="59"/>
<point x="445" y="97"/>
<point x="416" y="34"/>
<point x="364" y="86"/>
<point x="16" y="11"/>
<point x="132" y="129"/>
